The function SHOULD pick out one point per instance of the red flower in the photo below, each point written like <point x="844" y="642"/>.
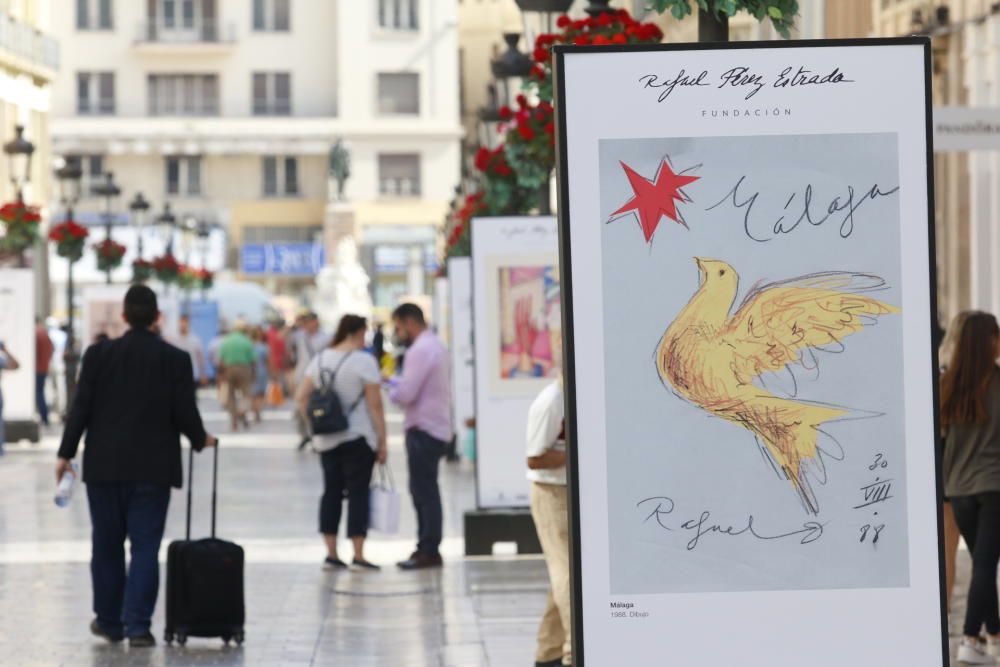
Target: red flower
<point x="541" y="54"/>
<point x="550" y="128"/>
<point x="506" y="113"/>
<point x="537" y="73"/>
<point x="526" y="132"/>
<point x="522" y="101"/>
<point x="563" y="21"/>
<point x="540" y="116"/>
<point x="582" y="40"/>
<point x="605" y="19"/>
<point x="601" y="40"/>
<point x="619" y="38"/>
<point x="482" y="159"/>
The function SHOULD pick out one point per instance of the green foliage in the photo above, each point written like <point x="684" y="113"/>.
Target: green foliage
<point x="781" y="12"/>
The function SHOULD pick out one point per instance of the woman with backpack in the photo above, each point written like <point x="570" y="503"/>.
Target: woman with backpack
<point x="340" y="394"/>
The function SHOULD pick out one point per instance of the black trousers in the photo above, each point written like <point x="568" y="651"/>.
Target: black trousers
<point x="347" y="471"/>
<point x="978" y="519"/>
<point x="423" y="453"/>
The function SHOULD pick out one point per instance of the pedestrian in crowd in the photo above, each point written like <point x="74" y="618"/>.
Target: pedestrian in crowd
<point x="970" y="417"/>
<point x="423" y="390"/>
<point x="10" y="363"/>
<point x="949" y="341"/>
<point x="547" y="473"/>
<point x="135" y="397"/>
<point x="43" y="357"/>
<point x="238" y="362"/>
<point x="308" y="342"/>
<point x="348" y="457"/>
<point x="378" y="344"/>
<point x="277" y="360"/>
<point x="190" y="343"/>
<point x="260" y="377"/>
<point x="214" y="346"/>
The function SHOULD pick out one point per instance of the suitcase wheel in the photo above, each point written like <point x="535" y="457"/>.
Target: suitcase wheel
<point x="239" y="638"/>
<point x="168" y="637"/>
<point x="181" y="638"/>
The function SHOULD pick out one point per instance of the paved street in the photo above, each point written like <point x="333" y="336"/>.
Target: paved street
<point x="473" y="612"/>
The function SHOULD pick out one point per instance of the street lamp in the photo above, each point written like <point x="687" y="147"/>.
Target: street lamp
<point x="139" y="207"/>
<point x="165" y="223"/>
<point x="69" y="176"/>
<point x="109" y="190"/>
<point x="19" y="152"/>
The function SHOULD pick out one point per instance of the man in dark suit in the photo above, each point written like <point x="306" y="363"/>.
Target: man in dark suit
<point x="134" y="399"/>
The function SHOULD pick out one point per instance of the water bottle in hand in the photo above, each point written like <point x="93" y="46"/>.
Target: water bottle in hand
<point x="64" y="491"/>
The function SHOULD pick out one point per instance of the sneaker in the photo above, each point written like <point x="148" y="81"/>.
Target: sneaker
<point x="145" y="640"/>
<point x="971" y="652"/>
<point x="364" y="566"/>
<point x="98" y="631"/>
<point x="334" y="564"/>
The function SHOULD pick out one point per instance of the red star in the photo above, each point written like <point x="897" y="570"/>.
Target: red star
<point x="653" y="199"/>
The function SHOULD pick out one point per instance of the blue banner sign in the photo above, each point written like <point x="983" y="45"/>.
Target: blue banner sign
<point x="285" y="259"/>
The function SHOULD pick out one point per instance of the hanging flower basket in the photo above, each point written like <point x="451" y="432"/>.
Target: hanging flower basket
<point x="142" y="271"/>
<point x="166" y="269"/>
<point x="70" y="239"/>
<point x="20" y="223"/>
<point x="187" y="278"/>
<point x="109" y="255"/>
<point x="206" y="278"/>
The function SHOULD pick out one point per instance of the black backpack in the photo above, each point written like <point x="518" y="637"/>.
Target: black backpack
<point x="326" y="414"/>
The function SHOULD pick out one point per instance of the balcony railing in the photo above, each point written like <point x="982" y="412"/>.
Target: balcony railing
<point x="202" y="31"/>
<point x="28" y="42"/>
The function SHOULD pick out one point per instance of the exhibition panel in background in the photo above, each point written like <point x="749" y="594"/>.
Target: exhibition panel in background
<point x="460" y="343"/>
<point x="750" y="378"/>
<point x="17" y="331"/>
<point x="518" y="347"/>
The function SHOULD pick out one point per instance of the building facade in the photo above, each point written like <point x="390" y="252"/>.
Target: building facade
<point x="228" y="110"/>
<point x="29" y="62"/>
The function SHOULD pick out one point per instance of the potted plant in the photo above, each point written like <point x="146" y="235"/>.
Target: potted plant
<point x="166" y="269"/>
<point x="70" y="239"/>
<point x="20" y="223"/>
<point x="109" y="255"/>
<point x="142" y="271"/>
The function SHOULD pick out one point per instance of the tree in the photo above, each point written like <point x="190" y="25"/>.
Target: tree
<point x="781" y="12"/>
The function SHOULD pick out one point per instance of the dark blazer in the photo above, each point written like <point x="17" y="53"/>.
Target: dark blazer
<point x="134" y="399"/>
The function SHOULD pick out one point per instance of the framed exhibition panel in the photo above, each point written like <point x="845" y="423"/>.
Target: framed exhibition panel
<point x="517" y="347"/>
<point x="460" y="344"/>
<point x="747" y="258"/>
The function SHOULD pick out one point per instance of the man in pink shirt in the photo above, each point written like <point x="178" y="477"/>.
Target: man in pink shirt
<point x="424" y="391"/>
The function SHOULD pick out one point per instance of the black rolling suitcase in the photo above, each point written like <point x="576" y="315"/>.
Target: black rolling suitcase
<point x="204" y="581"/>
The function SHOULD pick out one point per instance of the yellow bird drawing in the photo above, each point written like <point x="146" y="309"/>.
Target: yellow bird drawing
<point x="711" y="357"/>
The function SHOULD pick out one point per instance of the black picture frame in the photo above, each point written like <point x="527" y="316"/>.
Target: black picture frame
<point x="566" y="276"/>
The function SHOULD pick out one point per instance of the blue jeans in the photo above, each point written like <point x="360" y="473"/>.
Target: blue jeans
<point x="137" y="510"/>
<point x="43" y="407"/>
<point x="423" y="452"/>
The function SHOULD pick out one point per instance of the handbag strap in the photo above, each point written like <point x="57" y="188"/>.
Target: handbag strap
<point x="385" y="480"/>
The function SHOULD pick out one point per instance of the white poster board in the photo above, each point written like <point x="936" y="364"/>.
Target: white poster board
<point x="460" y="343"/>
<point x="17" y="331"/>
<point x="102" y="313"/>
<point x="518" y="344"/>
<point x="750" y="374"/>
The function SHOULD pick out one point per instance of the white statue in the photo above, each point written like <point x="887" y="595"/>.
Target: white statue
<point x="342" y="287"/>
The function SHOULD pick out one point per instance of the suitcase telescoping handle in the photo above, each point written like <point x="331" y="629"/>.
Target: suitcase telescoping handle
<point x="215" y="479"/>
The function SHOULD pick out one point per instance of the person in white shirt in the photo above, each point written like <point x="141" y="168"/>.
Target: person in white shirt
<point x="547" y="472"/>
<point x="190" y="343"/>
<point x="347" y="457"/>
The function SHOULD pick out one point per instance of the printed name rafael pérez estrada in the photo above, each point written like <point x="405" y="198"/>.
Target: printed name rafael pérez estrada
<point x="743" y="79"/>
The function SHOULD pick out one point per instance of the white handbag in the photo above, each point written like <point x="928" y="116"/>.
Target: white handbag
<point x="383" y="513"/>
